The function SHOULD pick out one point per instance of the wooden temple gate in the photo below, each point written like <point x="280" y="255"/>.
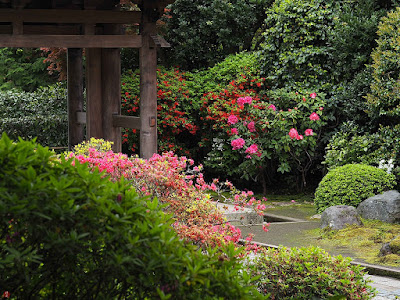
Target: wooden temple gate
<point x="96" y="26"/>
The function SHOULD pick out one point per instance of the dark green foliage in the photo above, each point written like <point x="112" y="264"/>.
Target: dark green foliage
<point x="350" y="185"/>
<point x="67" y="233"/>
<point x="295" y="50"/>
<point x="310" y="273"/>
<point x="41" y="114"/>
<point x="23" y="69"/>
<point x="384" y="99"/>
<point x="204" y="32"/>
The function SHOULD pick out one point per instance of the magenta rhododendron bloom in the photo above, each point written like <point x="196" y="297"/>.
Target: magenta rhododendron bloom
<point x="313" y="95"/>
<point x="314" y="117"/>
<point x="234" y="131"/>
<point x="251" y="126"/>
<point x="252" y="149"/>
<point x="244" y="100"/>
<point x="232" y="119"/>
<point x="293" y="133"/>
<point x="237" y="144"/>
<point x="272" y="107"/>
<point x="309" y="132"/>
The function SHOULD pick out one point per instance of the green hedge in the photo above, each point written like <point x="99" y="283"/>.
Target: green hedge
<point x="41" y="114"/>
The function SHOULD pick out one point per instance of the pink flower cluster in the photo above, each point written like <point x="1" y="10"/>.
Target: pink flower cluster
<point x="314" y="117"/>
<point x="244" y="100"/>
<point x="251" y="126"/>
<point x="295" y="135"/>
<point x="232" y="120"/>
<point x="237" y="144"/>
<point x="273" y="107"/>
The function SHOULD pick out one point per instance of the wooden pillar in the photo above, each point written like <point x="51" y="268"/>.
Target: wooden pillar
<point x="93" y="94"/>
<point x="148" y="84"/>
<point x="75" y="96"/>
<point x="111" y="84"/>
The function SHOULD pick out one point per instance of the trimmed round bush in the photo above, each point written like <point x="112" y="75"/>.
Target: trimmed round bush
<point x="69" y="233"/>
<point x="309" y="273"/>
<point x="350" y="185"/>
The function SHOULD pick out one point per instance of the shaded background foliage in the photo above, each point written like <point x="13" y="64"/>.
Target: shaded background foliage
<point x="314" y="45"/>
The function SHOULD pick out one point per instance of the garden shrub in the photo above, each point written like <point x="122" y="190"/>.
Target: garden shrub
<point x="380" y="149"/>
<point x="204" y="32"/>
<point x="41" y="114"/>
<point x="181" y="186"/>
<point x="350" y="185"/>
<point x="384" y="99"/>
<point x="23" y="69"/>
<point x="278" y="133"/>
<point x="68" y="232"/>
<point x="295" y="49"/>
<point x="309" y="273"/>
<point x="175" y="123"/>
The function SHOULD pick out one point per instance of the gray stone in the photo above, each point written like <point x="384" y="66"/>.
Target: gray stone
<point x="384" y="207"/>
<point x="339" y="216"/>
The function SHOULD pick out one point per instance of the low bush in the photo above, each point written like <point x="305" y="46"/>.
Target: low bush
<point x="350" y="185"/>
<point x="68" y="232"/>
<point x="309" y="273"/>
<point x="41" y="114"/>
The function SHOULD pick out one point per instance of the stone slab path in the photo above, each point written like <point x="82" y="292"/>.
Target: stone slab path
<point x="290" y="234"/>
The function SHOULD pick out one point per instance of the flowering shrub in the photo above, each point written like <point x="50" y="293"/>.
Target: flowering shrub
<point x="284" y="129"/>
<point x="197" y="219"/>
<point x="176" y="126"/>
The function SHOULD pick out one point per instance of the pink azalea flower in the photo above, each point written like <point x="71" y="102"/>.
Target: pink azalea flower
<point x="237" y="144"/>
<point x="251" y="126"/>
<point x="272" y="107"/>
<point x="313" y="95"/>
<point x="248" y="100"/>
<point x="314" y="117"/>
<point x="293" y="133"/>
<point x="309" y="132"/>
<point x="240" y="101"/>
<point x="234" y="131"/>
<point x="252" y="149"/>
<point x="232" y="119"/>
<point x="299" y="137"/>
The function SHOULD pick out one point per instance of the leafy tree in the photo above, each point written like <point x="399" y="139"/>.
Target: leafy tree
<point x="203" y="32"/>
<point x="22" y="69"/>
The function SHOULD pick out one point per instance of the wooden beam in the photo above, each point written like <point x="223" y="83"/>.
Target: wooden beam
<point x="75" y="96"/>
<point x="71" y="41"/>
<point x="126" y="121"/>
<point x="70" y="16"/>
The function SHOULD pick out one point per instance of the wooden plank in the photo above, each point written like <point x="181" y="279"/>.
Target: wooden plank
<point x="75" y="96"/>
<point x="126" y="121"/>
<point x="18" y="27"/>
<point x="94" y="108"/>
<point x="70" y="16"/>
<point x="44" y="29"/>
<point x="71" y="41"/>
<point x="148" y="86"/>
<point x="111" y="84"/>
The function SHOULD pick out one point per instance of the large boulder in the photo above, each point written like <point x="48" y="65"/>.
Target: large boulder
<point x="339" y="216"/>
<point x="384" y="207"/>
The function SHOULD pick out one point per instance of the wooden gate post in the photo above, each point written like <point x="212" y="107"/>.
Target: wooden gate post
<point x="111" y="84"/>
<point x="75" y="96"/>
<point x="148" y="83"/>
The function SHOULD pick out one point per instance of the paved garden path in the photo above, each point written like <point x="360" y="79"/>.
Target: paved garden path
<point x="292" y="234"/>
